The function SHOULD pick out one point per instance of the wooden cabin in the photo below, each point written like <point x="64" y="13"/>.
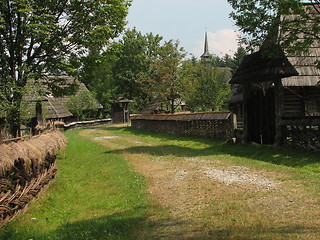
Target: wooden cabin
<point x="278" y="99"/>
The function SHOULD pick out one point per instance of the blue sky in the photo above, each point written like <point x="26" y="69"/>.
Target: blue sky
<point x="187" y="21"/>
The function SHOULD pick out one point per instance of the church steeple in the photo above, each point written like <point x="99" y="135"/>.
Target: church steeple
<point x="205" y="57"/>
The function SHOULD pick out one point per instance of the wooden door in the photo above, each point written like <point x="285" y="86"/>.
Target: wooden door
<point x="261" y="117"/>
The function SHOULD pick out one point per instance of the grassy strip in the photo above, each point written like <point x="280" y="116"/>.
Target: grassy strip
<point x="96" y="196"/>
<point x="292" y="212"/>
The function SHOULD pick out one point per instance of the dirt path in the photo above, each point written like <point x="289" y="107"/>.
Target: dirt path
<point x="204" y="197"/>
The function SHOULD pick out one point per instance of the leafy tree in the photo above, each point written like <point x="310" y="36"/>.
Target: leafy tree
<point x="237" y="58"/>
<point x="83" y="105"/>
<point x="96" y="73"/>
<point x="136" y="53"/>
<point x="288" y="23"/>
<point x="39" y="37"/>
<point x="207" y="87"/>
<point x="233" y="62"/>
<point x="163" y="81"/>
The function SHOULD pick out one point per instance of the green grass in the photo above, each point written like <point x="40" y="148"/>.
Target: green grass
<point x="95" y="196"/>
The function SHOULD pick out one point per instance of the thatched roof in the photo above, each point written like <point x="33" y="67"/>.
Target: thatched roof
<point x="150" y="108"/>
<point x="55" y="107"/>
<point x="259" y="67"/>
<point x="71" y="80"/>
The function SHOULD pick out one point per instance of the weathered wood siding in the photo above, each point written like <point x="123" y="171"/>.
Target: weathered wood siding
<point x="218" y="125"/>
<point x="293" y="103"/>
<point x="300" y="102"/>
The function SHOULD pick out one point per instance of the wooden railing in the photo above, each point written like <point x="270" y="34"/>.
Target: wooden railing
<point x="302" y="133"/>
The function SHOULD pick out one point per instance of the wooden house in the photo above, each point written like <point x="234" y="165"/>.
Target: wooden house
<point x="278" y="98"/>
<point x="54" y="108"/>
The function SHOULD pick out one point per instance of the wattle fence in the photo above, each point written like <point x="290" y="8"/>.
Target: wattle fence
<point x="218" y="125"/>
<point x="26" y="168"/>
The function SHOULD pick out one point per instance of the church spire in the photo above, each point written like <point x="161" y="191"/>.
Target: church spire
<point x="205" y="57"/>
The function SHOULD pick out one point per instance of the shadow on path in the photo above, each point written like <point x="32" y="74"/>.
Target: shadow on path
<point x="266" y="153"/>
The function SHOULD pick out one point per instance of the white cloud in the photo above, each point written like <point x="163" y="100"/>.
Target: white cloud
<point x="222" y="42"/>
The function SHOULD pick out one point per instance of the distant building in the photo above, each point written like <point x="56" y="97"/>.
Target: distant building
<point x="120" y="110"/>
<point x="206" y="56"/>
<point x="50" y="108"/>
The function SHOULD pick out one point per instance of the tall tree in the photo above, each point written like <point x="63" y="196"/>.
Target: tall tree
<point x="163" y="81"/>
<point x="96" y="72"/>
<point x="206" y="87"/>
<point x="291" y="24"/>
<point x="38" y="37"/>
<point x="136" y="52"/>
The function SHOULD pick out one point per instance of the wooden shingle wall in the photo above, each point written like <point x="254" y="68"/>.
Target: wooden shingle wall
<point x="218" y="125"/>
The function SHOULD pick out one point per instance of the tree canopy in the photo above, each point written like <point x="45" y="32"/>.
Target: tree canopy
<point x="39" y="37"/>
<point x="145" y="68"/>
<point x="206" y="87"/>
<point x="291" y="24"/>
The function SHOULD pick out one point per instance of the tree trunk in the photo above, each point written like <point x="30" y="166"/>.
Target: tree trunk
<point x="14" y="121"/>
<point x="1" y="138"/>
<point x="14" y="117"/>
<point x="172" y="106"/>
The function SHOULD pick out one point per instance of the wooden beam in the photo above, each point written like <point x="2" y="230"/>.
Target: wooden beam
<point x="279" y="110"/>
<point x="246" y="94"/>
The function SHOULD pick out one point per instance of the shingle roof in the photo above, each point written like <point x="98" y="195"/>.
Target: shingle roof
<point x="184" y="116"/>
<point x="309" y="75"/>
<point x="258" y="67"/>
<point x="206" y="53"/>
<point x="55" y="107"/>
<point x="255" y="66"/>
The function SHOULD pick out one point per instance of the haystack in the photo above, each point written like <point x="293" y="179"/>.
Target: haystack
<point x="32" y="153"/>
<point x="26" y="168"/>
